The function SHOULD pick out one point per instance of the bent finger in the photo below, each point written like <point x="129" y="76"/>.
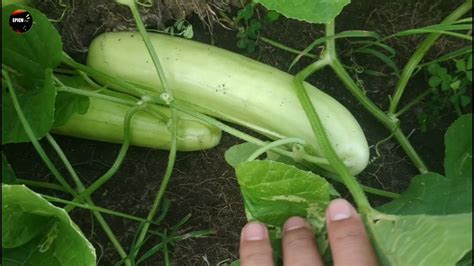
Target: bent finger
<point x="349" y="242"/>
<point x="255" y="247"/>
<point x="299" y="245"/>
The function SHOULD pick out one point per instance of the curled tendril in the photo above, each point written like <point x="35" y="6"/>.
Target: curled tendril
<point x="144" y="3"/>
<point x="298" y="152"/>
<point x="166" y="98"/>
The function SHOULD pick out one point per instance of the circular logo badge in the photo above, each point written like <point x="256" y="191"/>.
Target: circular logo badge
<point x="21" y="20"/>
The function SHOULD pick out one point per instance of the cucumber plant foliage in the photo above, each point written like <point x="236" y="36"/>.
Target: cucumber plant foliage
<point x="47" y="235"/>
<point x="30" y="59"/>
<point x="35" y="232"/>
<point x="429" y="224"/>
<point x="431" y="221"/>
<point x="313" y="11"/>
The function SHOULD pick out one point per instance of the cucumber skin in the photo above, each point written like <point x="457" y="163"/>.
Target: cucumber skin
<point x="233" y="88"/>
<point x="104" y="122"/>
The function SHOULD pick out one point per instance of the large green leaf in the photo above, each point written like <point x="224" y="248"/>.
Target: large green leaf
<point x="29" y="59"/>
<point x="38" y="108"/>
<point x="458" y="141"/>
<point x="313" y="11"/>
<point x="422" y="239"/>
<point x="435" y="194"/>
<point x="29" y="54"/>
<point x="11" y="2"/>
<point x="274" y="191"/>
<point x="34" y="232"/>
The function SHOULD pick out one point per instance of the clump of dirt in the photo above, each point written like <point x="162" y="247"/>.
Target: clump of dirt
<point x="79" y="21"/>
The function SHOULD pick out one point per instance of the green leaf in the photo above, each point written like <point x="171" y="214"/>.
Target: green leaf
<point x="435" y="194"/>
<point x="8" y="175"/>
<point x="11" y="2"/>
<point x="239" y="153"/>
<point x="384" y="58"/>
<point x="313" y="11"/>
<point x="31" y="53"/>
<point x="29" y="59"/>
<point x="433" y="68"/>
<point x="246" y="13"/>
<point x="465" y="100"/>
<point x="272" y="16"/>
<point x="461" y="65"/>
<point x="273" y="192"/>
<point x="67" y="103"/>
<point x="422" y="239"/>
<point x="458" y="141"/>
<point x="434" y="81"/>
<point x="446" y="83"/>
<point x="38" y="107"/>
<point x="34" y="232"/>
<point x="442" y="72"/>
<point x="455" y="85"/>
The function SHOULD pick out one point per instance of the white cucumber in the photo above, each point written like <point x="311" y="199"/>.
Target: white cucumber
<point x="233" y="88"/>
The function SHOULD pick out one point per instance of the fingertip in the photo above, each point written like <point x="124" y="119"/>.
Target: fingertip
<point x="350" y="244"/>
<point x="295" y="222"/>
<point x="255" y="247"/>
<point x="254" y="231"/>
<point x="298" y="243"/>
<point x="340" y="209"/>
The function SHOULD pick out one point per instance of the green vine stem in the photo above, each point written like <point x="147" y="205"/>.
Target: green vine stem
<point x="118" y="161"/>
<point x="62" y="156"/>
<point x="186" y="108"/>
<point x="326" y="147"/>
<point x="389" y="121"/>
<point x="414" y="102"/>
<point x="285" y="48"/>
<point x="93" y="94"/>
<point x="173" y="128"/>
<point x="418" y="55"/>
<point x="80" y="186"/>
<point x="50" y="165"/>
<point x="120" y="85"/>
<point x="274" y="144"/>
<point x="32" y="136"/>
<point x="96" y="208"/>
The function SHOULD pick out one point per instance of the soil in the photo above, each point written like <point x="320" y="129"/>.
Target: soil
<point x="203" y="185"/>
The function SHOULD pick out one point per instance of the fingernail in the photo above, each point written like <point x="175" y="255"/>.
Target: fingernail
<point x="295" y="223"/>
<point x="254" y="231"/>
<point x="340" y="209"/>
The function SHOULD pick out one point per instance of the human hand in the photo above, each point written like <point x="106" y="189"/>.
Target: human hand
<point x="348" y="239"/>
